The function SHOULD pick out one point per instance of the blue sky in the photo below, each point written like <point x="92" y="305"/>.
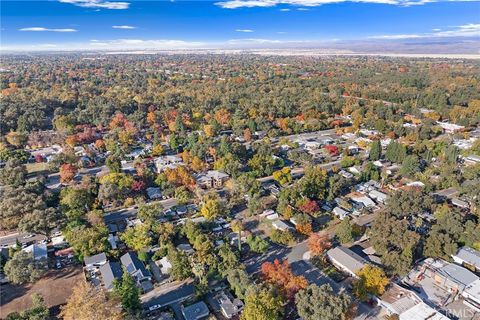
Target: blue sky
<point x="101" y="24"/>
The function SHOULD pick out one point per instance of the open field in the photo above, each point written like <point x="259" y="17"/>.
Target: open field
<point x="55" y="288"/>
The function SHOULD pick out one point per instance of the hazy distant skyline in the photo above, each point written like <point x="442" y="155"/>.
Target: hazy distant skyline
<point x="131" y="25"/>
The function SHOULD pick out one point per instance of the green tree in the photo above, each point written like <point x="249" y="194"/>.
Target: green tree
<point x="409" y="202"/>
<point x="285" y="238"/>
<point x="443" y="238"/>
<point x="257" y="244"/>
<point x="262" y="304"/>
<point x="181" y="268"/>
<point x="150" y="212"/>
<point x="13" y="174"/>
<point x="182" y="195"/>
<point x="22" y="268"/>
<point x="85" y="240"/>
<point x="16" y="203"/>
<point x="41" y="221"/>
<point x="228" y="259"/>
<point x="320" y="302"/>
<point x="239" y="282"/>
<point x="396" y="152"/>
<point x="38" y="310"/>
<point x="137" y="237"/>
<point x="314" y="183"/>
<point x="394" y="242"/>
<point x="283" y="176"/>
<point x="410" y="166"/>
<point x="375" y="151"/>
<point x="344" y="231"/>
<point x="113" y="163"/>
<point x="128" y="293"/>
<point x="212" y="208"/>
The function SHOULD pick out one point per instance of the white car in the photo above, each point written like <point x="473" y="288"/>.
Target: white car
<point x="154" y="307"/>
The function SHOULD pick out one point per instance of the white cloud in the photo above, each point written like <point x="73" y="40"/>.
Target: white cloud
<point x="41" y="29"/>
<point x="124" y="27"/>
<point x="145" y="44"/>
<point x="285" y="9"/>
<point x="396" y="36"/>
<point x="281" y="32"/>
<point x="252" y="40"/>
<point x="244" y="30"/>
<point x="303" y="9"/>
<point x="99" y="4"/>
<point x="234" y="4"/>
<point x="467" y="30"/>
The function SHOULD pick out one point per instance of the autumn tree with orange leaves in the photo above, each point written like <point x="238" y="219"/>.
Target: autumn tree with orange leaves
<point x="280" y="274"/>
<point x="125" y="130"/>
<point x="67" y="172"/>
<point x="247" y="134"/>
<point x="222" y="116"/>
<point x="318" y="244"/>
<point x="180" y="176"/>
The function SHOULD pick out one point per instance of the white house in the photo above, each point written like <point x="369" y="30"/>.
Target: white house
<point x="450" y="127"/>
<point x="361" y="198"/>
<point x="168" y="162"/>
<point x="165" y="265"/>
<point x="407" y="305"/>
<point x="472" y="159"/>
<point x="340" y="213"/>
<point x="378" y="196"/>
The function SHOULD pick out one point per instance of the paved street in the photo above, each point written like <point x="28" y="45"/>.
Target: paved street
<point x="7" y="241"/>
<point x="299" y="171"/>
<point x="131" y="212"/>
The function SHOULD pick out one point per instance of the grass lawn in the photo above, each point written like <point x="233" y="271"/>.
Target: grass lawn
<point x="36" y="167"/>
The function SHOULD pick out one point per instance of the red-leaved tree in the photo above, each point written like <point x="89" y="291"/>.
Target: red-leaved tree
<point x="280" y="274"/>
<point x="318" y="244"/>
<point x="333" y="150"/>
<point x="67" y="172"/>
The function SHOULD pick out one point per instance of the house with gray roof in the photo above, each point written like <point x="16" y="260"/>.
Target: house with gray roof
<point x="281" y="225"/>
<point x="94" y="262"/>
<point x="227" y="304"/>
<point x="346" y="260"/>
<point x="460" y="203"/>
<point x="196" y="311"/>
<point x="467" y="257"/>
<point x="137" y="270"/>
<point x="110" y="271"/>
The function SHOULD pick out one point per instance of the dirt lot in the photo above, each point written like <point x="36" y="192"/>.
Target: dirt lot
<point x="55" y="288"/>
